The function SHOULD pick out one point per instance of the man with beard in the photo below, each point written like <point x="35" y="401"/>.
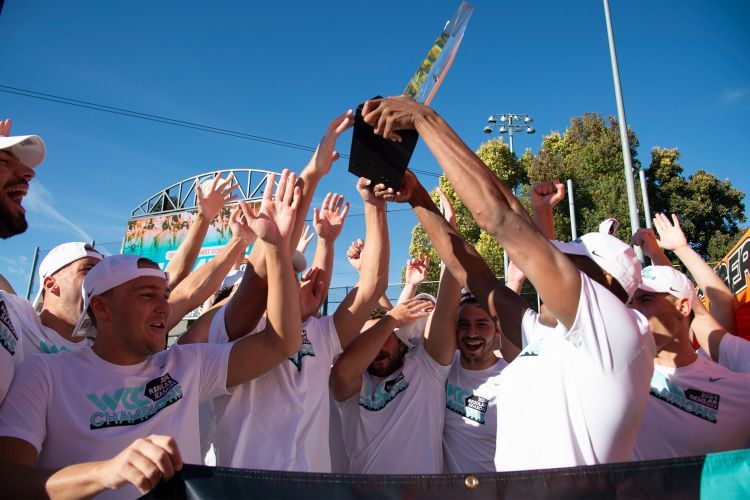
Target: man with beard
<point x="391" y="398"/>
<point x="19" y="155"/>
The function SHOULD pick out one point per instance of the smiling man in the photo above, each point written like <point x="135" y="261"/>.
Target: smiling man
<point x="124" y="412"/>
<point x="19" y="156"/>
<point x="695" y="405"/>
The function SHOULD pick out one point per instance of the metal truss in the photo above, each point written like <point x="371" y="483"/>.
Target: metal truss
<point x="180" y="196"/>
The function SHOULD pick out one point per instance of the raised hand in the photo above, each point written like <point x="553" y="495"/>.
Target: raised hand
<point x="310" y="292"/>
<point x="5" y="127"/>
<point x="325" y="155"/>
<point x="408" y="184"/>
<point x="212" y="196"/>
<point x="447" y="208"/>
<point x="671" y="236"/>
<point x="646" y="239"/>
<point x="366" y="190"/>
<point x="304" y="241"/>
<point x="389" y="115"/>
<point x="329" y="220"/>
<point x="406" y="312"/>
<point x="547" y="194"/>
<point x="143" y="464"/>
<point x="275" y="221"/>
<point x="416" y="270"/>
<point x="354" y="254"/>
<point x="239" y="228"/>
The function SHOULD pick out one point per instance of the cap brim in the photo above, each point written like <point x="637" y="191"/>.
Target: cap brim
<point x="570" y="247"/>
<point x="31" y="154"/>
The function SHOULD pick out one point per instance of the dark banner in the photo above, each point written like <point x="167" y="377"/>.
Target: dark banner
<point x="720" y="475"/>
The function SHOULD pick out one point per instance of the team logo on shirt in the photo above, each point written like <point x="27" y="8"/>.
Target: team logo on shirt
<point x="376" y="398"/>
<point x="52" y="348"/>
<point x="8" y="337"/>
<point x="532" y="350"/>
<point x="465" y="403"/>
<point x="134" y="405"/>
<point x="701" y="404"/>
<point x="307" y="350"/>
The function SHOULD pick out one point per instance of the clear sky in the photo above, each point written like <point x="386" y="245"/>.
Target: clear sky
<point x="284" y="69"/>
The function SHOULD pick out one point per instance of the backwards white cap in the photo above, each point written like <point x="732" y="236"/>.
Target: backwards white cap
<point x="609" y="226"/>
<point x="109" y="273"/>
<point x="666" y="279"/>
<point x="61" y="256"/>
<point x="614" y="256"/>
<point x="29" y="149"/>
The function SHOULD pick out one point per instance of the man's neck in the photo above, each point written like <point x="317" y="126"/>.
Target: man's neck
<point x="63" y="327"/>
<point x="677" y="353"/>
<point x="112" y="352"/>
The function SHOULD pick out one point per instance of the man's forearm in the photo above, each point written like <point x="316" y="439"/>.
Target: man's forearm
<point x="204" y="281"/>
<point x="323" y="260"/>
<point x="723" y="301"/>
<point x="283" y="311"/>
<point x="30" y="481"/>
<point x="182" y="261"/>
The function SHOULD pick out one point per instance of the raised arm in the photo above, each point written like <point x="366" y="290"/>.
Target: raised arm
<point x="346" y="374"/>
<point x="491" y="203"/>
<point x="646" y="239"/>
<point x="723" y="301"/>
<point x="328" y="223"/>
<point x="545" y="196"/>
<point x="416" y="272"/>
<point x="356" y="307"/>
<point x="354" y="256"/>
<point x="255" y="354"/>
<point x="205" y="281"/>
<point x="210" y="202"/>
<point x="462" y="260"/>
<point x="440" y="334"/>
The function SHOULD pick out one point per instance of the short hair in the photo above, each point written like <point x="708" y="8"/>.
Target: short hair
<point x="378" y="313"/>
<point x="467" y="298"/>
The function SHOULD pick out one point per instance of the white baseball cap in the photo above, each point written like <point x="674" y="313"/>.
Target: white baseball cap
<point x="61" y="256"/>
<point x="609" y="226"/>
<point x="29" y="149"/>
<point x="614" y="256"/>
<point x="109" y="273"/>
<point x="666" y="279"/>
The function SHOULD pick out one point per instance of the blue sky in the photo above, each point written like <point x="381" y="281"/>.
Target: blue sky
<point x="284" y="69"/>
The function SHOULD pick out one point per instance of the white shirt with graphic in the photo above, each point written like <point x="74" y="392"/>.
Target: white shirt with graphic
<point x="280" y="420"/>
<point x="395" y="424"/>
<point x="576" y="397"/>
<point x="76" y="407"/>
<point x="471" y="418"/>
<point x="11" y="344"/>
<point x="36" y="337"/>
<point x="693" y="410"/>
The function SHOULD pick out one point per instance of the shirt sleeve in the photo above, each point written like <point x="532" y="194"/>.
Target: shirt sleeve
<point x="610" y="333"/>
<point x="330" y="336"/>
<point x="435" y="370"/>
<point x="530" y="332"/>
<point x="214" y="363"/>
<point x="217" y="332"/>
<point x="734" y="353"/>
<point x="23" y="414"/>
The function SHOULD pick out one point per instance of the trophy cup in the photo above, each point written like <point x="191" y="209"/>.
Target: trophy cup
<point x="382" y="160"/>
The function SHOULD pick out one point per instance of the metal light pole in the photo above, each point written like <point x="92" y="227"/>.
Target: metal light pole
<point x="509" y="124"/>
<point x="629" y="182"/>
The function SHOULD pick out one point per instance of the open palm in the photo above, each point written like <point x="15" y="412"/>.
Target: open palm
<point x="329" y="220"/>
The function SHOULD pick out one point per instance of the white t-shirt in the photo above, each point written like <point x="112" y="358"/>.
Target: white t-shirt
<point x="471" y="418"/>
<point x="734" y="353"/>
<point x="11" y="344"/>
<point x="279" y="421"/>
<point x="395" y="424"/>
<point x="37" y="338"/>
<point x="76" y="407"/>
<point x="576" y="397"/>
<point x="694" y="410"/>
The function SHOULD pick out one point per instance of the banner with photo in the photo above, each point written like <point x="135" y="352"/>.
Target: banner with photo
<point x="158" y="237"/>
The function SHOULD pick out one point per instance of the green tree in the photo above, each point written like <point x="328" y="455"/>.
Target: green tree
<point x="589" y="153"/>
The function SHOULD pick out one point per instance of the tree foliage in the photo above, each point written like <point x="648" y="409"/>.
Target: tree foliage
<point x="589" y="153"/>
